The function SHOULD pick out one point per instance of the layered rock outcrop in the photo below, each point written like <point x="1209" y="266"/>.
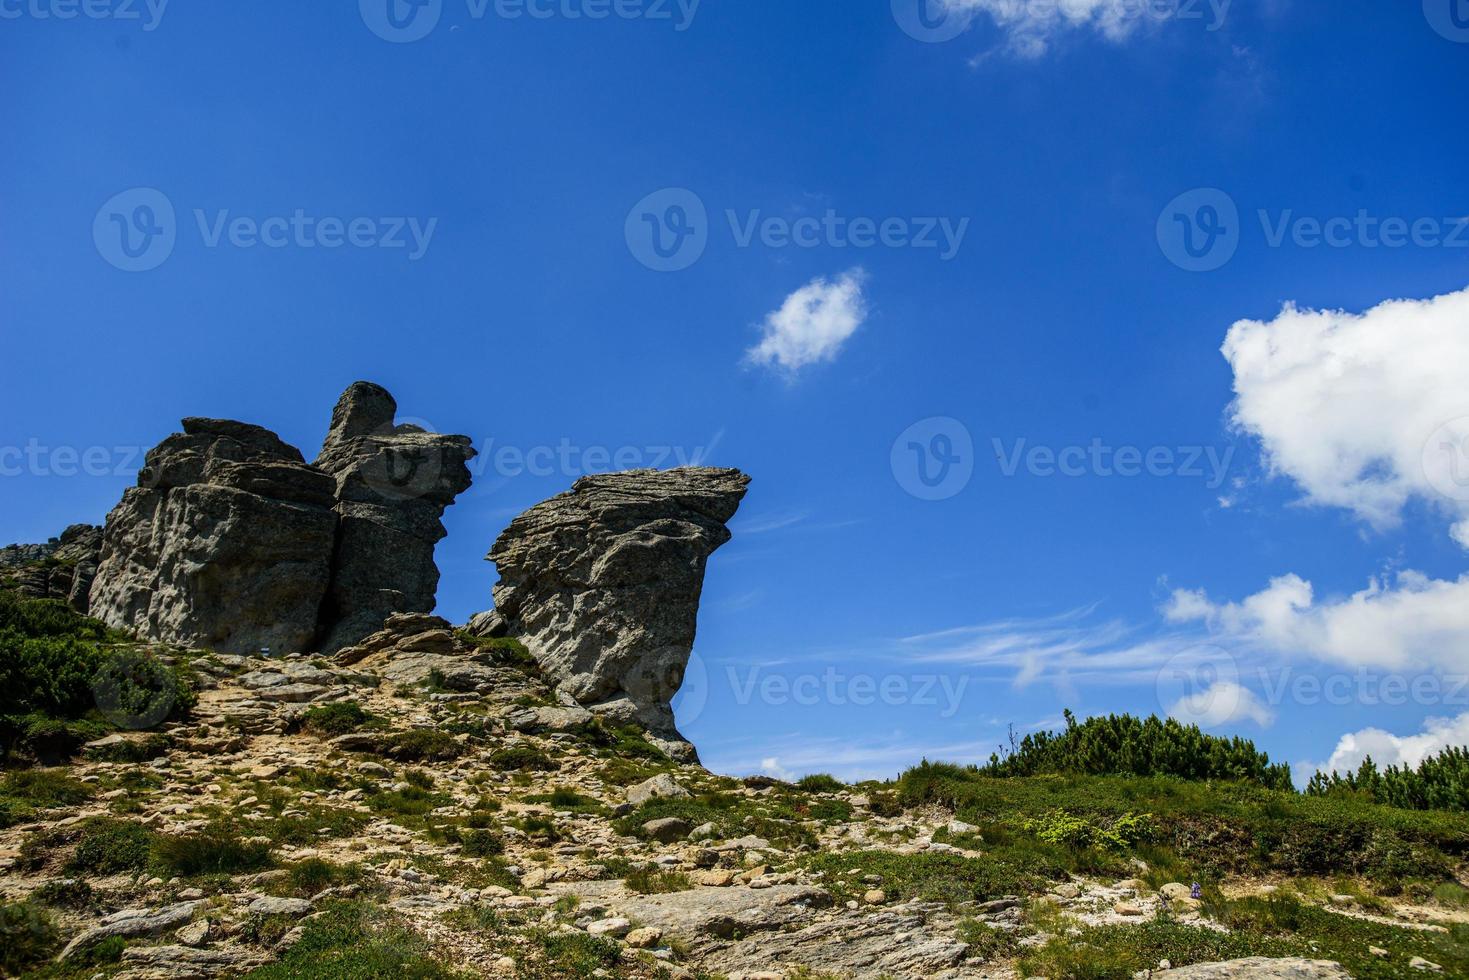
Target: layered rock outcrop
<point x="231" y="541"/>
<point x="602" y="585"/>
<point x="62" y="568"/>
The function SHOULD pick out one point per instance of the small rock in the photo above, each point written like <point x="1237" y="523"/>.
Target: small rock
<point x="1419" y="963"/>
<point x="660" y="786"/>
<point x="194" y="934"/>
<point x="644" y="938"/>
<point x="1127" y="908"/>
<point x="874" y="896"/>
<point x="667" y="830"/>
<point x="610" y="927"/>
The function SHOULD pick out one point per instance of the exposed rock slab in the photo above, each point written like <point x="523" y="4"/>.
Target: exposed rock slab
<point x="883" y="944"/>
<point x="724" y="912"/>
<point x="602" y="584"/>
<point x="1262" y="968"/>
<point x="62" y="568"/>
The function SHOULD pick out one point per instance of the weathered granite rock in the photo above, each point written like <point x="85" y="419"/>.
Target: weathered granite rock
<point x="602" y="584"/>
<point x="393" y="483"/>
<point x="231" y="541"/>
<point x="225" y="543"/>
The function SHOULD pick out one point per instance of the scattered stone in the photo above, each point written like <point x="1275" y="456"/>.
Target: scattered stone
<point x="644" y="938"/>
<point x="610" y="927"/>
<point x="661" y="786"/>
<point x="1261" y="968"/>
<point x="133" y="922"/>
<point x="667" y="830"/>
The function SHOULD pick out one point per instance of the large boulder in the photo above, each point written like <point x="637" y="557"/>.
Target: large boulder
<point x="602" y="584"/>
<point x="392" y="485"/>
<point x="226" y="542"/>
<point x="231" y="541"/>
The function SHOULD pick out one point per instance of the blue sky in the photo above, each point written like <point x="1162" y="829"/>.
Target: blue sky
<point x="923" y="277"/>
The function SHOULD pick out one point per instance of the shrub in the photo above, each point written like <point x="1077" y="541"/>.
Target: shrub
<point x="522" y="757"/>
<point x="1068" y="830"/>
<point x="67" y="893"/>
<point x="423" y="745"/>
<point x="45" y="788"/>
<point x="1125" y="745"/>
<point x="482" y="843"/>
<point x="409" y="802"/>
<point x="314" y="876"/>
<point x="1440" y="782"/>
<point x="30" y="937"/>
<point x="354" y="941"/>
<point x="337" y="718"/>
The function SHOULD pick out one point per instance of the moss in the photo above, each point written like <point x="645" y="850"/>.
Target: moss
<point x="522" y="757"/>
<point x="337" y="718"/>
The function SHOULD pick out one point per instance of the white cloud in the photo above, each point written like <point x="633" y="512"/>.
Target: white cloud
<point x="1031" y="24"/>
<point x="1410" y="622"/>
<point x="1222" y="703"/>
<point x="1363" y="411"/>
<point x="812" y="324"/>
<point x="1387" y="749"/>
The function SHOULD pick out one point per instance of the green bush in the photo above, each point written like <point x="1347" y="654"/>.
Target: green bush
<point x="1125" y="745"/>
<point x="423" y="745"/>
<point x="354" y="941"/>
<point x="482" y="843"/>
<point x="1068" y="830"/>
<point x="1439" y="783"/>
<point x="522" y="757"/>
<point x="821" y="782"/>
<point x="337" y="718"/>
<point x="654" y="881"/>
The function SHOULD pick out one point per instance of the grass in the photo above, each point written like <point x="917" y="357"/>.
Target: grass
<point x="522" y="758"/>
<point x="355" y="941"/>
<point x="1207" y="829"/>
<point x="313" y="876"/>
<point x="214" y="851"/>
<point x="562" y="799"/>
<point x="481" y="843"/>
<point x="651" y="881"/>
<point x="948" y="878"/>
<point x="1117" y="952"/>
<point x="413" y="801"/>
<point x="108" y="847"/>
<point x="24" y="792"/>
<point x="774" y="818"/>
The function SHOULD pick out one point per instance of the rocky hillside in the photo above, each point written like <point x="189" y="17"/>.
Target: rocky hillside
<point x="385" y="795"/>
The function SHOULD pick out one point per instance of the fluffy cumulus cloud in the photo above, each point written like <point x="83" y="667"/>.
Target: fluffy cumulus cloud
<point x="812" y="324"/>
<point x="1031" y="24"/>
<point x="1363" y="411"/>
<point x="1225" y="702"/>
<point x="1411" y="621"/>
<point x="1387" y="749"/>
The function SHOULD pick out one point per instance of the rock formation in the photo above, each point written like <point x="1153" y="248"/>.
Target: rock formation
<point x="602" y="585"/>
<point x="62" y="568"/>
<point x="393" y="483"/>
<point x="231" y="541"/>
<point x="225" y="543"/>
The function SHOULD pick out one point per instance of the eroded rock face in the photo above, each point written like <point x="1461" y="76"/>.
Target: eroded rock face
<point x="602" y="584"/>
<point x="231" y="541"/>
<point x="393" y="483"/>
<point x="226" y="543"/>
